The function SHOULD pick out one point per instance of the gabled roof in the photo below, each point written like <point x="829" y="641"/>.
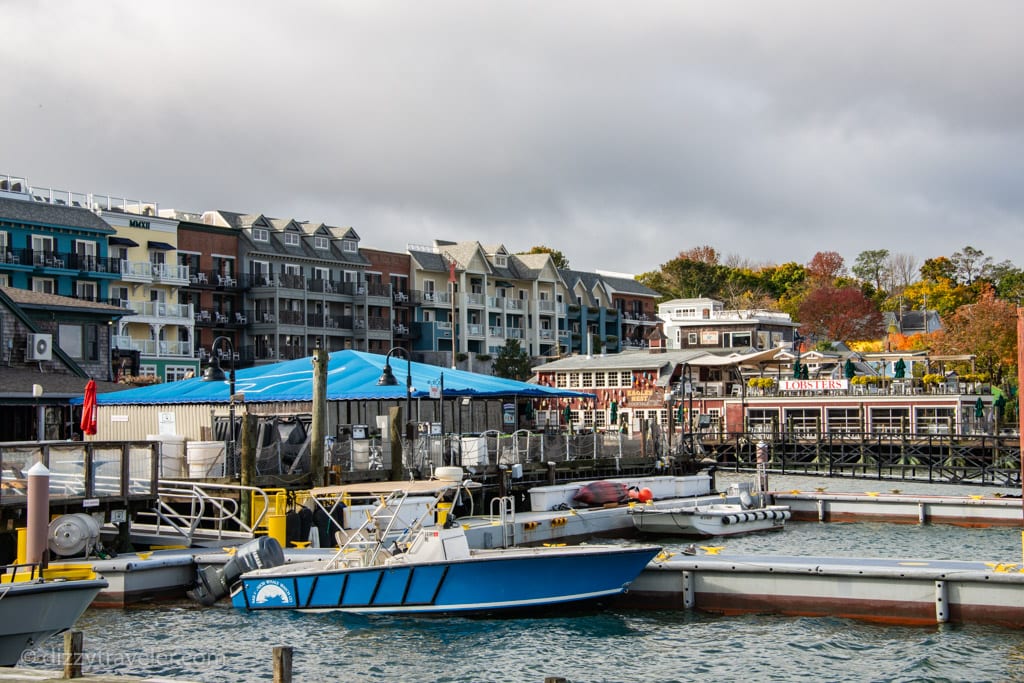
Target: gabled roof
<point x="57" y="215"/>
<point x="351" y="376"/>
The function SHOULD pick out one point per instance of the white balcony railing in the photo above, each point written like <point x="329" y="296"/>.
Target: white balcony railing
<point x="170" y="273"/>
<point x="153" y="348"/>
<point x="137" y="271"/>
<point x="160" y="309"/>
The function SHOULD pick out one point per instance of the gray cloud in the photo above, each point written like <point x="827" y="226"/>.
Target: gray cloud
<point x="619" y="134"/>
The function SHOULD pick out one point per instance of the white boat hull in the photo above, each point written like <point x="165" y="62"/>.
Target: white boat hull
<point x="709" y="520"/>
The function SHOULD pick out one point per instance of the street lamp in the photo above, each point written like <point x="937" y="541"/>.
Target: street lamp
<point x="387" y="379"/>
<point x="687" y="375"/>
<point x="214" y="373"/>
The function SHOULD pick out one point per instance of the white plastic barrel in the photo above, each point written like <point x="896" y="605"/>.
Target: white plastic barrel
<point x="172" y="455"/>
<point x="205" y="459"/>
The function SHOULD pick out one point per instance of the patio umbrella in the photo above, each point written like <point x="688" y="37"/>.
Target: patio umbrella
<point x="88" y="424"/>
<point x="899" y="371"/>
<point x="805" y="373"/>
<point x="979" y="408"/>
<point x="614" y="417"/>
<point x="567" y="415"/>
<point x="796" y="369"/>
<point x="848" y="370"/>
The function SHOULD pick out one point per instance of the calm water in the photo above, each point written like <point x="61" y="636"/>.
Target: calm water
<point x="222" y="644"/>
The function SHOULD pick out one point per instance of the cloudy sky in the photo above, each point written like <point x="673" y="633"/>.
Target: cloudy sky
<point x="619" y="133"/>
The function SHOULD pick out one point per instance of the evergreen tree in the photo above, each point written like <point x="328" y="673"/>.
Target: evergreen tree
<point x="512" y="362"/>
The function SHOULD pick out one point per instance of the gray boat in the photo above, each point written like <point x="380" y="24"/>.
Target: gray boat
<point x="33" y="608"/>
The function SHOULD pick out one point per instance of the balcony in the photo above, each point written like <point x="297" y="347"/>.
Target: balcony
<point x="475" y="330"/>
<point x="546" y="335"/>
<point x="496" y="331"/>
<point x="476" y="300"/>
<point x="162" y="310"/>
<point x="170" y="274"/>
<point x="136" y="271"/>
<point x="514" y="333"/>
<point x="153" y="348"/>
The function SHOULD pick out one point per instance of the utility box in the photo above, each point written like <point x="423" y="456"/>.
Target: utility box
<point x="360" y="431"/>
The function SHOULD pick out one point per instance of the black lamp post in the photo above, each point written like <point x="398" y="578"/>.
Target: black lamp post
<point x="687" y="376"/>
<point x="387" y="379"/>
<point x="214" y="373"/>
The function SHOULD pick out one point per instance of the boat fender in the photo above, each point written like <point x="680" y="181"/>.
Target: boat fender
<point x="729" y="519"/>
<point x="530" y="526"/>
<point x="558" y="521"/>
<point x="762" y="514"/>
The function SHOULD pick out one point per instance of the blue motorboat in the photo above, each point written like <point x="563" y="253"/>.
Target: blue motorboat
<point x="432" y="570"/>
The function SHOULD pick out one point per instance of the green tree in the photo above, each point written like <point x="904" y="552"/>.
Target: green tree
<point x="512" y="362"/>
<point x="970" y="264"/>
<point x="557" y="257"/>
<point x="938" y="268"/>
<point x="872" y="266"/>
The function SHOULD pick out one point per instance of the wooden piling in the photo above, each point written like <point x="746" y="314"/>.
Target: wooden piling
<point x="318" y="429"/>
<point x="283" y="664"/>
<point x="248" y="472"/>
<point x="72" y="654"/>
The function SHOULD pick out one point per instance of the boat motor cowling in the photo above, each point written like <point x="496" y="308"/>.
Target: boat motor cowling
<point x="214" y="582"/>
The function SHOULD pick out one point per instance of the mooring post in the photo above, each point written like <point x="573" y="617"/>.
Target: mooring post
<point x="318" y="428"/>
<point x="72" y="654"/>
<point x="282" y="664"/>
<point x="395" y="434"/>
<point x="248" y="471"/>
<point x="38" y="514"/>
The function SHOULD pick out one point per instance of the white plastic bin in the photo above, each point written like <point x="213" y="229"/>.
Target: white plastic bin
<point x="474" y="451"/>
<point x="693" y="485"/>
<point x="172" y="455"/>
<point x="205" y="459"/>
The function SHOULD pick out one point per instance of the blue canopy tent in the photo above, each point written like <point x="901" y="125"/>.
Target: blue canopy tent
<point x="351" y="376"/>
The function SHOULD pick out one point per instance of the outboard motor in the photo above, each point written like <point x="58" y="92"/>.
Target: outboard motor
<point x="214" y="582"/>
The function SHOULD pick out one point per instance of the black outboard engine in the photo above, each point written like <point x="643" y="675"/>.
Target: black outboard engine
<point x="214" y="582"/>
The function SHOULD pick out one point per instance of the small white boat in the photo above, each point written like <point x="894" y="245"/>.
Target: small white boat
<point x="34" y="607"/>
<point x="705" y="521"/>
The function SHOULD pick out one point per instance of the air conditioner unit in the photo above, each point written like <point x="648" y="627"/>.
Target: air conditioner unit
<point x="39" y="347"/>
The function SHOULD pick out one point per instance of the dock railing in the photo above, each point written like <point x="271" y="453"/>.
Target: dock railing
<point x="194" y="509"/>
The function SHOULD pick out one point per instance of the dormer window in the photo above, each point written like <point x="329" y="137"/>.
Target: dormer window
<point x="350" y="246"/>
<point x="291" y="239"/>
<point x="321" y="243"/>
<point x="260" y="235"/>
<point x="501" y="261"/>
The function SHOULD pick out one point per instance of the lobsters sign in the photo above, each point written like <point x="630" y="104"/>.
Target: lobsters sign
<point x="814" y="385"/>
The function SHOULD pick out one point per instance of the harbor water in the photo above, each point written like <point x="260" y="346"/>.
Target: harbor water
<point x="224" y="644"/>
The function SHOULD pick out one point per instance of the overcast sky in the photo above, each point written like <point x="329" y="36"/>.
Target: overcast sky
<point x="617" y="132"/>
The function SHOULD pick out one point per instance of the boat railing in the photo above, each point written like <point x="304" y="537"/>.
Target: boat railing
<point x="29" y="572"/>
<point x="503" y="511"/>
<point x="190" y="509"/>
<point x="366" y="542"/>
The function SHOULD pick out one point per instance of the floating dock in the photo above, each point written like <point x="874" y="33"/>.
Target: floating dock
<point x="973" y="511"/>
<point x="891" y="591"/>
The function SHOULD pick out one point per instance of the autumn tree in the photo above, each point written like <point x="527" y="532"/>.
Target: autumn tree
<point x="938" y="268"/>
<point x="557" y="257"/>
<point x="988" y="330"/>
<point x="826" y="266"/>
<point x="840" y="314"/>
<point x="942" y="295"/>
<point x="686" y="278"/>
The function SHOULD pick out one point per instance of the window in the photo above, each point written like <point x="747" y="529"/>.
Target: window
<point x="69" y="338"/>
<point x="843" y="420"/>
<point x="763" y="420"/>
<point x="260" y="235"/>
<point x="501" y="261"/>
<point x="321" y="273"/>
<point x="561" y="380"/>
<point x="625" y="378"/>
<point x="588" y="380"/>
<point x="85" y="290"/>
<point x="119" y="295"/>
<point x="805" y="421"/>
<point x="691" y="338"/>
<point x="44" y="285"/>
<point x="291" y="239"/>
<point x="935" y="420"/>
<point x="740" y="339"/>
<point x="292" y="269"/>
<point x="172" y="373"/>
<point x="890" y="420"/>
<point x="321" y="243"/>
<point x="5" y="280"/>
<point x="85" y="248"/>
<point x="574" y="379"/>
<point x="349" y="246"/>
<point x="3" y="240"/>
<point x="599" y="379"/>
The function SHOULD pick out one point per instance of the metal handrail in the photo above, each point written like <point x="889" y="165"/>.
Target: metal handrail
<point x="223" y="509"/>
